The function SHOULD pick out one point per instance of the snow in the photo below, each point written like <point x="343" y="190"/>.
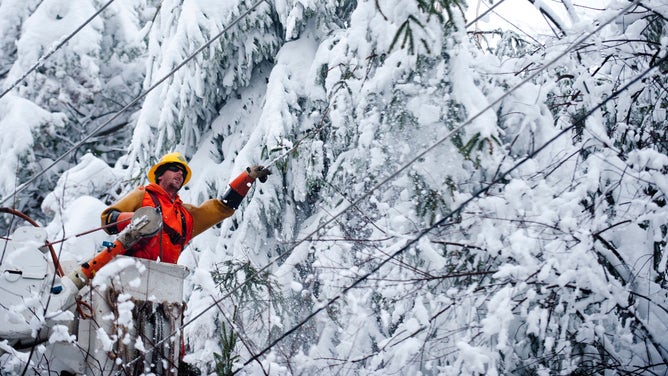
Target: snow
<point x="312" y="88"/>
<point x="50" y="22"/>
<point x="473" y="360"/>
<point x="20" y="118"/>
<point x="61" y="333"/>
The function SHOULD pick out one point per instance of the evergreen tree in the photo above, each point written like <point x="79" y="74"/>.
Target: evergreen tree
<point x="80" y="85"/>
<point x="407" y="228"/>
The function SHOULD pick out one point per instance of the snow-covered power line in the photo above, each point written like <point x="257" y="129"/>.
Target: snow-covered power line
<point x="457" y="210"/>
<point x="53" y="50"/>
<point x="573" y="46"/>
<point x="570" y="49"/>
<point x="501" y="177"/>
<point x="576" y="44"/>
<point x="133" y="102"/>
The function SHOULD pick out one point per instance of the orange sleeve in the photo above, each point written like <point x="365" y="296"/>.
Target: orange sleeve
<point x="210" y="213"/>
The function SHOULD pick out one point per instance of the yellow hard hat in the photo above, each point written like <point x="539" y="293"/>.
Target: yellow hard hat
<point x="175" y="157"/>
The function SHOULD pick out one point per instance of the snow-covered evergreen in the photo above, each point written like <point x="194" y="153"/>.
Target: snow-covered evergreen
<point x="429" y="211"/>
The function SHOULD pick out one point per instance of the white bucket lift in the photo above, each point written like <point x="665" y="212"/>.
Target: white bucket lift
<point x="123" y="319"/>
<point x="137" y="309"/>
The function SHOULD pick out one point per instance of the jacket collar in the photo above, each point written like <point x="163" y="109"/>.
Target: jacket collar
<point x="158" y="191"/>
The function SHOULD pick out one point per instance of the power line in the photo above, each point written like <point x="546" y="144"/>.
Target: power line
<point x="117" y="114"/>
<point x="457" y="210"/>
<point x="574" y="45"/>
<point x="500" y="178"/>
<point x="392" y="176"/>
<point x="353" y="204"/>
<point x="474" y="196"/>
<point x="489" y="10"/>
<point x="421" y="155"/>
<point x="43" y="59"/>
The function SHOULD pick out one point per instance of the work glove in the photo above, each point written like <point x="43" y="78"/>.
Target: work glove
<point x="258" y="172"/>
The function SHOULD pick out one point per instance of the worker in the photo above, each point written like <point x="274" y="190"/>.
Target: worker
<point x="181" y="222"/>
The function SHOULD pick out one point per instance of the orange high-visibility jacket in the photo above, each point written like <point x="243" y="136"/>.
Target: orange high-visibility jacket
<point x="181" y="222"/>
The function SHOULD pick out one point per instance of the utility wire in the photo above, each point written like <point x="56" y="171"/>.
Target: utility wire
<point x="578" y="122"/>
<point x="421" y="155"/>
<point x="43" y="59"/>
<point x="531" y="77"/>
<point x="356" y="202"/>
<point x="425" y="231"/>
<point x="117" y="114"/>
<point x="432" y="147"/>
<point x="441" y="222"/>
<point x="489" y="10"/>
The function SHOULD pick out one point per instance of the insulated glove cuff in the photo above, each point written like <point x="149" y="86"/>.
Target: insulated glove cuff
<point x="237" y="190"/>
<point x="117" y="221"/>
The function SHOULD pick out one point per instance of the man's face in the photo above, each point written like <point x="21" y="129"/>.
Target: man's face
<point x="172" y="178"/>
